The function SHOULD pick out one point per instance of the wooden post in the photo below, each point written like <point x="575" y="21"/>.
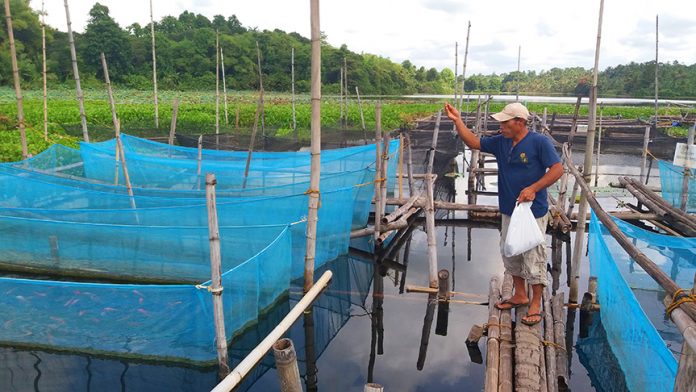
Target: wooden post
<point x="493" y="341"/>
<point x="384" y="184"/>
<point x="378" y="169"/>
<point x="224" y="87"/>
<point x="362" y="115"/>
<point x="15" y="77"/>
<point x="506" y="342"/>
<point x="154" y="66"/>
<point x="401" y="166"/>
<point x="589" y="145"/>
<point x="172" y="126"/>
<point x="286" y="365"/>
<point x="686" y="372"/>
<point x="112" y="104"/>
<point x="313" y="191"/>
<point x="429" y="207"/>
<point x="687" y="174"/>
<point x="574" y="124"/>
<point x="292" y="74"/>
<point x="643" y="162"/>
<point x="310" y="350"/>
<point x="43" y="69"/>
<point x="76" y="73"/>
<point x="216" y="276"/>
<point x="217" y="82"/>
<point x="466" y="54"/>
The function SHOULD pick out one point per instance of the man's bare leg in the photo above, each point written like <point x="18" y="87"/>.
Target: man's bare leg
<point x="519" y="296"/>
<point x="534" y="312"/>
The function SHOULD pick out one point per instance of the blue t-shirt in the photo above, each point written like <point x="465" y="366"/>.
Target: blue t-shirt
<point x="519" y="167"/>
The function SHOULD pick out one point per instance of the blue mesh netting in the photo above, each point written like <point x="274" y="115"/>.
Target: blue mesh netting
<point x="166" y="321"/>
<point x="54" y="218"/>
<point x="671" y="181"/>
<point x="628" y="328"/>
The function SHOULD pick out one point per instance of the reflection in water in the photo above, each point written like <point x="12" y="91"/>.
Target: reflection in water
<point x="602" y="366"/>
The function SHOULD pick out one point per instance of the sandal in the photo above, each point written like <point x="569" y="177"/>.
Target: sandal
<point x="513" y="305"/>
<point x="525" y="320"/>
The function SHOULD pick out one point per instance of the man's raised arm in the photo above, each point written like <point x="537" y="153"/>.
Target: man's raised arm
<point x="465" y="133"/>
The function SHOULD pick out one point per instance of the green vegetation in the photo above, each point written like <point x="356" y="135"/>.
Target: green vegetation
<point x="186" y="61"/>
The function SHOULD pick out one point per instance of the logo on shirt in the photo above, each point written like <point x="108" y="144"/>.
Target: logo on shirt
<point x="523" y="158"/>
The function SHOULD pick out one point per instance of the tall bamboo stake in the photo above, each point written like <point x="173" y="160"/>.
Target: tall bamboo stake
<point x="15" y="77"/>
<point x="493" y="342"/>
<point x="126" y="176"/>
<point x="519" y="56"/>
<point x="313" y="190"/>
<point x="224" y="87"/>
<point x="292" y="86"/>
<point x="154" y="65"/>
<point x="345" y="87"/>
<point x="466" y="55"/>
<point x="378" y="170"/>
<point x="644" y="160"/>
<point x="430" y="209"/>
<point x="217" y="82"/>
<point x="261" y="102"/>
<point x="656" y="66"/>
<point x="172" y="126"/>
<point x="43" y="69"/>
<point x="199" y="162"/>
<point x="340" y="98"/>
<point x="599" y="148"/>
<point x="589" y="146"/>
<point x="687" y="172"/>
<point x="456" y="65"/>
<point x="76" y="73"/>
<point x="216" y="276"/>
<point x="362" y="115"/>
<point x="114" y="116"/>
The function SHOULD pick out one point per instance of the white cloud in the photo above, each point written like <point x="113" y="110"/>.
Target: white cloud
<point x="552" y="33"/>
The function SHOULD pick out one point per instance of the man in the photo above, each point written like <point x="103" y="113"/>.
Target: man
<point x="527" y="165"/>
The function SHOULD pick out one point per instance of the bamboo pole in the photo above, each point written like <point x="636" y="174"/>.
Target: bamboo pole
<point x="362" y="115"/>
<point x="126" y="175"/>
<point x="43" y="69"/>
<point x="345" y="87"/>
<point x="657" y="40"/>
<point x="686" y="371"/>
<point x="372" y="387"/>
<point x="471" y="180"/>
<point x="172" y="126"/>
<point x="76" y="73"/>
<point x="401" y="210"/>
<point x="292" y="73"/>
<point x="112" y="104"/>
<point x="456" y="66"/>
<point x="120" y="154"/>
<point x="562" y="374"/>
<point x="254" y="129"/>
<point x="574" y="123"/>
<point x="217" y="82"/>
<point x="384" y="184"/>
<point x="409" y="166"/>
<point x="286" y="365"/>
<point x="248" y="363"/>
<point x="15" y="77"/>
<point x="378" y="169"/>
<point x="550" y="348"/>
<point x="401" y="166"/>
<point x="224" y="87"/>
<point x="644" y="160"/>
<point x="589" y="145"/>
<point x="639" y="257"/>
<point x="493" y="341"/>
<point x="466" y="54"/>
<point x="215" y="287"/>
<point x="154" y="66"/>
<point x="599" y="147"/>
<point x="505" y="383"/>
<point x="429" y="207"/>
<point x="261" y="97"/>
<point x="199" y="162"/>
<point x="425" y="332"/>
<point x="519" y="57"/>
<point x="313" y="191"/>
<point x="687" y="172"/>
<point x="310" y="350"/>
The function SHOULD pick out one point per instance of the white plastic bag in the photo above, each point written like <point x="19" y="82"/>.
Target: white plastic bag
<point x="523" y="232"/>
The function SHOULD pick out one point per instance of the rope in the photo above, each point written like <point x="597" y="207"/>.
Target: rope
<point x="312" y="191"/>
<point x="485" y="326"/>
<point x="554" y="344"/>
<point x="680" y="297"/>
<point x="210" y="289"/>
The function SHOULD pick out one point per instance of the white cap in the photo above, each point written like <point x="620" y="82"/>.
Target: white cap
<point x="512" y="110"/>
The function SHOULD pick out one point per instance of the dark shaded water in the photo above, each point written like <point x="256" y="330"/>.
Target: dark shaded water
<point x="350" y="348"/>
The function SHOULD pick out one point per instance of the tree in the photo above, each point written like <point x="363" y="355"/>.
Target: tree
<point x="103" y="34"/>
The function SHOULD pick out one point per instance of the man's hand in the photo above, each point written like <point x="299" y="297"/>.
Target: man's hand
<point x="527" y="194"/>
<point x="451" y="112"/>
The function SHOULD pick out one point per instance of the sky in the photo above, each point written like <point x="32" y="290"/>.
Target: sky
<point x="547" y="33"/>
